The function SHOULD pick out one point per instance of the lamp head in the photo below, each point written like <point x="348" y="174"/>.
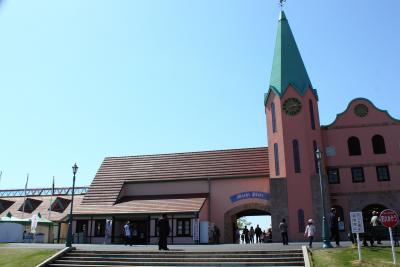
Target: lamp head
<point x="318" y="154"/>
<point x="74" y="169"/>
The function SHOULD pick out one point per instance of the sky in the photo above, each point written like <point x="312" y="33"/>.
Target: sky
<point x="83" y="80"/>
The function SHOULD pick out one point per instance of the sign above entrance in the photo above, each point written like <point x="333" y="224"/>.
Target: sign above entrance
<point x="246" y="195"/>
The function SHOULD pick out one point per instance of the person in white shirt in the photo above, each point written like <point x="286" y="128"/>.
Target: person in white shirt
<point x="310" y="231"/>
<point x="375" y="231"/>
<point x="128" y="233"/>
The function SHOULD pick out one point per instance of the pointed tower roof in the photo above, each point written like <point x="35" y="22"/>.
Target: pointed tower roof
<point x="288" y="67"/>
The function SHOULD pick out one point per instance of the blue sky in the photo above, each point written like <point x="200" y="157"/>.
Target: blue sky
<point x="82" y="80"/>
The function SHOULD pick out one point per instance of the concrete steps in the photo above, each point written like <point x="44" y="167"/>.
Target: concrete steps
<point x="83" y="258"/>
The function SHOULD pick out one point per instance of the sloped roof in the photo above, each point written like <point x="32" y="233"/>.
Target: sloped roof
<point x="43" y="208"/>
<point x="115" y="171"/>
<point x="287" y="67"/>
<point x="147" y="206"/>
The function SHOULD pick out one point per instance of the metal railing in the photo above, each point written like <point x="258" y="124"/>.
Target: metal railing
<point x="59" y="191"/>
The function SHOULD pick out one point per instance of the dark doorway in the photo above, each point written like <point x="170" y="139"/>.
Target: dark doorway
<point x="367" y="212"/>
<point x="140" y="232"/>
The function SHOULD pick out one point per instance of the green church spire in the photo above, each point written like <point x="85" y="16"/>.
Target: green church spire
<point x="288" y="67"/>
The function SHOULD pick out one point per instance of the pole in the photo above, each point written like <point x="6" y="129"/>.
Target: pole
<point x="325" y="233"/>
<point x="51" y="200"/>
<point x="392" y="244"/>
<point x="23" y="204"/>
<point x="69" y="236"/>
<point x="1" y="174"/>
<point x="359" y="247"/>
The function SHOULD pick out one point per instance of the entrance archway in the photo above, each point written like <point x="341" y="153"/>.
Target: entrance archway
<point x="367" y="212"/>
<point x="233" y="214"/>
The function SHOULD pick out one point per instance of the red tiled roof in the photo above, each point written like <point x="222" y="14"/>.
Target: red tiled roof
<point x="144" y="206"/>
<point x="115" y="171"/>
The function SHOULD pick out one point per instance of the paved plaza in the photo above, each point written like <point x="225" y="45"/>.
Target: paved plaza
<point x="206" y="248"/>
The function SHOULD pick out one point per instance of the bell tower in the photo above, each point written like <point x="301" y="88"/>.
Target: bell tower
<point x="293" y="135"/>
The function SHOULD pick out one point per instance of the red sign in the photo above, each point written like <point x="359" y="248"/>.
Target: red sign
<point x="389" y="218"/>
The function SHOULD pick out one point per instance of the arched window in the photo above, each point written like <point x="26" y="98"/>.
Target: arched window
<point x="311" y="114"/>
<point x="378" y="144"/>
<point x="276" y="157"/>
<point x="296" y="156"/>
<point x="273" y="117"/>
<point x="353" y="144"/>
<point x="300" y="218"/>
<point x="315" y="146"/>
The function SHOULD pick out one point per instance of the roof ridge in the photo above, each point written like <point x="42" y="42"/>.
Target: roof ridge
<point x="189" y="152"/>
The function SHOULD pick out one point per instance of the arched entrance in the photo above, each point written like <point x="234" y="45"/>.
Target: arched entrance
<point x="233" y="214"/>
<point x="367" y="212"/>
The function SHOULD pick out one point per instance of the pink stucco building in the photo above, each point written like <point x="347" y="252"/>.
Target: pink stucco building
<point x="360" y="168"/>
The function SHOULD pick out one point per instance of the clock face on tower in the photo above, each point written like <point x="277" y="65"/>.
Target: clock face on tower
<point x="292" y="106"/>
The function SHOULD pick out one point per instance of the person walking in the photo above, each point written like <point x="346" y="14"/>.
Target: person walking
<point x="283" y="227"/>
<point x="310" y="232"/>
<point x="251" y="235"/>
<point x="216" y="234"/>
<point x="334" y="227"/>
<point x="242" y="237"/>
<point x="246" y="234"/>
<point x="237" y="236"/>
<point x="163" y="232"/>
<point x="128" y="233"/>
<point x="258" y="234"/>
<point x="375" y="225"/>
<point x="269" y="236"/>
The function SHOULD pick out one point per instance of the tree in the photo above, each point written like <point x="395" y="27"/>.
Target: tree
<point x="242" y="222"/>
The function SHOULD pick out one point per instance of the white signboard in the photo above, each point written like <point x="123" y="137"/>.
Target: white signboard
<point x="195" y="231"/>
<point x="357" y="223"/>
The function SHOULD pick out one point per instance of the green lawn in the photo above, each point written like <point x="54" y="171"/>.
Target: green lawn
<point x="11" y="257"/>
<point x="344" y="257"/>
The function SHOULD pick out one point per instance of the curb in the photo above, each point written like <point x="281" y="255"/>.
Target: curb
<point x="306" y="256"/>
<point x="55" y="256"/>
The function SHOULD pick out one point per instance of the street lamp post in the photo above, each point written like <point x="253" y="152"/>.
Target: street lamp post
<point x="325" y="227"/>
<point x="69" y="235"/>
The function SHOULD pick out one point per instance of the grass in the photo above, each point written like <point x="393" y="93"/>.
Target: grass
<point x="18" y="257"/>
<point x="348" y="257"/>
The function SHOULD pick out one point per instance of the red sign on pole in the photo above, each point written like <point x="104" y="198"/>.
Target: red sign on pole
<point x="389" y="218"/>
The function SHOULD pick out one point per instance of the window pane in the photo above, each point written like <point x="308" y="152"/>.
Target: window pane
<point x="333" y="176"/>
<point x="312" y="114"/>
<point x="378" y="144"/>
<point x="383" y="173"/>
<point x="354" y="147"/>
<point x="357" y="174"/>
<point x="187" y="227"/>
<point x="296" y="156"/>
<point x="273" y="118"/>
<point x="276" y="156"/>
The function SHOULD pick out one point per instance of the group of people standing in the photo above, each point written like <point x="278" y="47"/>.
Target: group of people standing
<point x="163" y="232"/>
<point x="254" y="235"/>
<point x="310" y="229"/>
